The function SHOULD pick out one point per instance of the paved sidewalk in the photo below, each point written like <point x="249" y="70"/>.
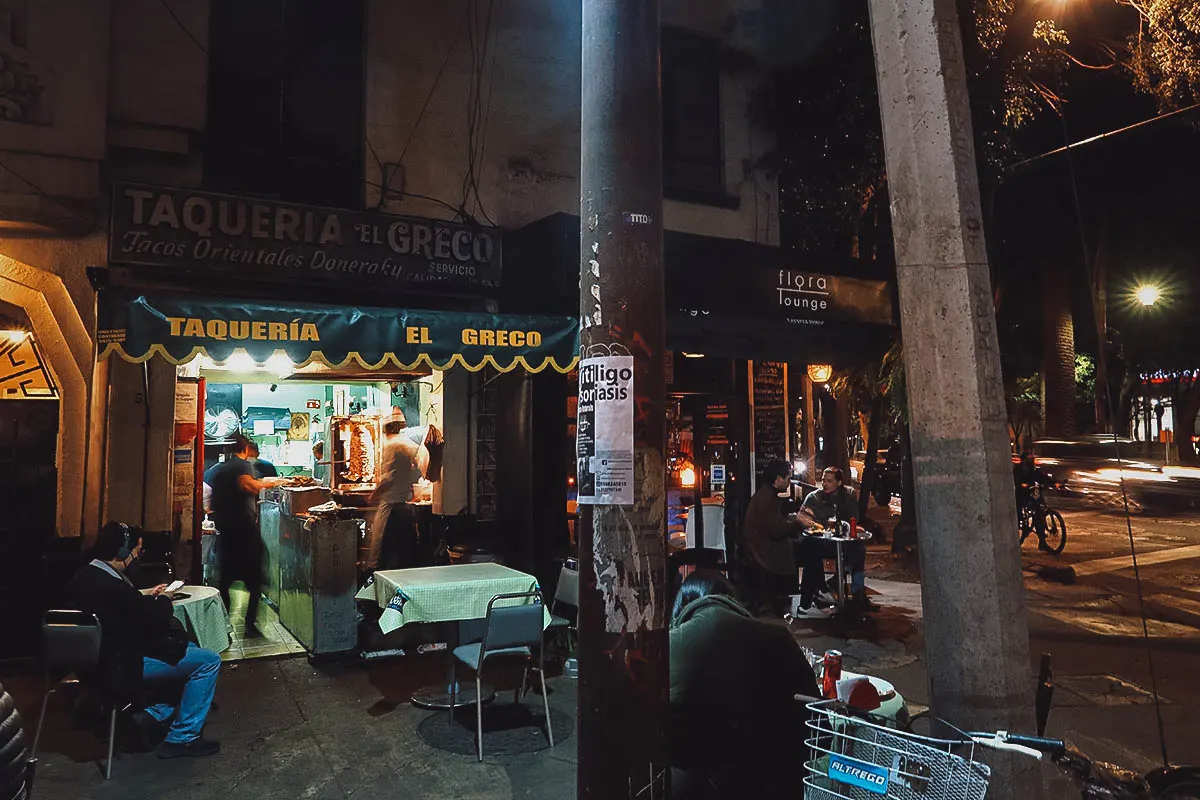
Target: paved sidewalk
<point x="291" y="730"/>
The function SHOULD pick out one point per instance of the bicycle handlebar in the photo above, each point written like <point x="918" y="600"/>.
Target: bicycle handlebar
<point x="1032" y="746"/>
<point x="1050" y="746"/>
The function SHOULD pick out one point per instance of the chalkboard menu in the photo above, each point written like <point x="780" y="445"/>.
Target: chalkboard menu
<point x="770" y="412"/>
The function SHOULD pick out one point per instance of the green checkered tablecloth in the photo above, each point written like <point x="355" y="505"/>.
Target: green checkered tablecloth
<point x="442" y="594"/>
<point x="204" y="616"/>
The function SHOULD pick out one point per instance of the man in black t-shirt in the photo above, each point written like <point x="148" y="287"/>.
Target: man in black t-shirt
<point x="235" y="511"/>
<point x="832" y="501"/>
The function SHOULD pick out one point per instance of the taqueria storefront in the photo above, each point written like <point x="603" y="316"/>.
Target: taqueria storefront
<point x="311" y="383"/>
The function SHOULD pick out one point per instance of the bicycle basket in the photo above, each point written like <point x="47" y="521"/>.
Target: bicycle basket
<point x="852" y="759"/>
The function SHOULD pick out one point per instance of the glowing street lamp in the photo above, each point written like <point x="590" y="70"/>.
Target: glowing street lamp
<point x="1147" y="295"/>
<point x="820" y="373"/>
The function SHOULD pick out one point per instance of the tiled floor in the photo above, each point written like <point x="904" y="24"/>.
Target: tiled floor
<point x="275" y="640"/>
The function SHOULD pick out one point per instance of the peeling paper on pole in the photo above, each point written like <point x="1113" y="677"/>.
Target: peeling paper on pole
<point x="629" y="552"/>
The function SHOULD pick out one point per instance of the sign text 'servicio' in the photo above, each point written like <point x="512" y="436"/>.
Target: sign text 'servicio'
<point x="185" y="229"/>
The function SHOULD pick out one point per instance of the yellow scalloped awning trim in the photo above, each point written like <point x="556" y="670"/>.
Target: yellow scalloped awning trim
<point x="457" y="360"/>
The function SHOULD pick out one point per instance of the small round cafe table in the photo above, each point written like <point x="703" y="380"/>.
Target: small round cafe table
<point x="203" y="615"/>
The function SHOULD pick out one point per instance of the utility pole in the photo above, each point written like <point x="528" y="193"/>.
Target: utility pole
<point x="976" y="629"/>
<point x="621" y="444"/>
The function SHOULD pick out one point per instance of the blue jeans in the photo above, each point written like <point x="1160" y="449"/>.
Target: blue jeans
<point x="197" y="671"/>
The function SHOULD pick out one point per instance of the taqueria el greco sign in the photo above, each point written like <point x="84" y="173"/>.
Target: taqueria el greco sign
<point x="136" y="327"/>
<point x="184" y="229"/>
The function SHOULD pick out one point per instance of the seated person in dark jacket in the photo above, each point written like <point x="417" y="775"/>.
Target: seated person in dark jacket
<point x="832" y="501"/>
<point x="141" y="640"/>
<point x="769" y="534"/>
<point x="736" y="728"/>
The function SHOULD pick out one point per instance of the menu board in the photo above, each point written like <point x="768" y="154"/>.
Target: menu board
<point x="769" y="379"/>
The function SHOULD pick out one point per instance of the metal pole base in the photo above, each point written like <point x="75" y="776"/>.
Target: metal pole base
<point x="438" y="697"/>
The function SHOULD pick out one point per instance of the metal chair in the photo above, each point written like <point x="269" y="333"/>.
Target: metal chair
<point x="566" y="593"/>
<point x="70" y="646"/>
<point x="511" y="630"/>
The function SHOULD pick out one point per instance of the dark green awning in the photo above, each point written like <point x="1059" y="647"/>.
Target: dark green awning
<point x="179" y="328"/>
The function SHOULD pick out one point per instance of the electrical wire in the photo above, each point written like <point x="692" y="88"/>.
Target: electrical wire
<point x="1103" y="343"/>
<point x="43" y="193"/>
<point x="167" y="7"/>
<point x="478" y="40"/>
<point x="1071" y="146"/>
<point x="433" y="88"/>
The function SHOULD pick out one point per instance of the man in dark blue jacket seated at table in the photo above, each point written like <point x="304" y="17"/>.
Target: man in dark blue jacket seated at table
<point x="142" y="641"/>
<point x="832" y="501"/>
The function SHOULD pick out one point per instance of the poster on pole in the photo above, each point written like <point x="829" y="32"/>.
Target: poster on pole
<point x="604" y="433"/>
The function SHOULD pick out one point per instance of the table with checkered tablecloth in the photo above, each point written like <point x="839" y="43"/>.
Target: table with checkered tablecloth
<point x="443" y="594"/>
<point x="204" y="617"/>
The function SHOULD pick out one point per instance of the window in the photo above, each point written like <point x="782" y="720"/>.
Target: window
<point x="693" y="158"/>
<point x="286" y="96"/>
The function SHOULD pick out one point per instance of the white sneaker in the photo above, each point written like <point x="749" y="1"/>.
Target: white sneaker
<point x="824" y="598"/>
<point x="812" y="612"/>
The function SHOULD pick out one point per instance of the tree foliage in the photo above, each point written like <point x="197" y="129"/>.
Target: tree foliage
<point x="1164" y="51"/>
<point x="1156" y="48"/>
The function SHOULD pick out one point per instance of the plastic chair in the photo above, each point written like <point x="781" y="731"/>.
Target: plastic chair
<point x="567" y="594"/>
<point x="70" y="646"/>
<point x="714" y="528"/>
<point x="509" y="631"/>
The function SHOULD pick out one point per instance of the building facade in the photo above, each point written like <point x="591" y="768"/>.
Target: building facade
<point x="459" y="110"/>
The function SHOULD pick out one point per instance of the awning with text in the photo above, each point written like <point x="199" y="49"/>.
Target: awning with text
<point x="137" y="326"/>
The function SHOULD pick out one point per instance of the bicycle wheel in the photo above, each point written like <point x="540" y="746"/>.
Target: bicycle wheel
<point x="1024" y="524"/>
<point x="1056" y="531"/>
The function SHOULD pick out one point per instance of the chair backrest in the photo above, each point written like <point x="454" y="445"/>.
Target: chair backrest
<point x="70" y="640"/>
<point x="514" y="626"/>
<point x="714" y="527"/>
<point x="567" y="591"/>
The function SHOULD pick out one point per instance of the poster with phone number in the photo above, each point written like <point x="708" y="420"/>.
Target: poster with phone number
<point x="604" y="432"/>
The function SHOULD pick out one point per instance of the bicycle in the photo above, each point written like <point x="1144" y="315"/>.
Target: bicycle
<point x="852" y="758"/>
<point x="1036" y="516"/>
<point x="1100" y="780"/>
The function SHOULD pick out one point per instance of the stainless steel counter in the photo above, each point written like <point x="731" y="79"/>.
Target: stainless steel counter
<point x="318" y="578"/>
<point x="311" y="570"/>
<point x="272" y="505"/>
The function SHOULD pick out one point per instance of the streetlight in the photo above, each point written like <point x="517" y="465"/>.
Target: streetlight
<point x="1147" y="294"/>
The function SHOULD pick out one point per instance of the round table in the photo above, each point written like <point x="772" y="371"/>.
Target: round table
<point x="860" y="536"/>
<point x="204" y="616"/>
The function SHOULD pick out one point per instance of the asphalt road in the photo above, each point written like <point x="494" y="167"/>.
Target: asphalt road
<point x="1098" y="550"/>
<point x="1093" y="629"/>
<point x="1087" y="618"/>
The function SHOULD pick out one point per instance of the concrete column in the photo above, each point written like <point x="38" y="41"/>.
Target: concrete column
<point x="976" y="637"/>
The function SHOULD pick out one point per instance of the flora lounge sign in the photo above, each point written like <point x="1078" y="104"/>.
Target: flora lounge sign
<point x="202" y="232"/>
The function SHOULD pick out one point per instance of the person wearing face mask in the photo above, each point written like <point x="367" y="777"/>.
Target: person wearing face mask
<point x="142" y="640"/>
<point x="833" y="500"/>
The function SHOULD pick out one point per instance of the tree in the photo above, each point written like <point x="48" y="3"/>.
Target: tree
<point x="1164" y="51"/>
<point x="1024" y="64"/>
